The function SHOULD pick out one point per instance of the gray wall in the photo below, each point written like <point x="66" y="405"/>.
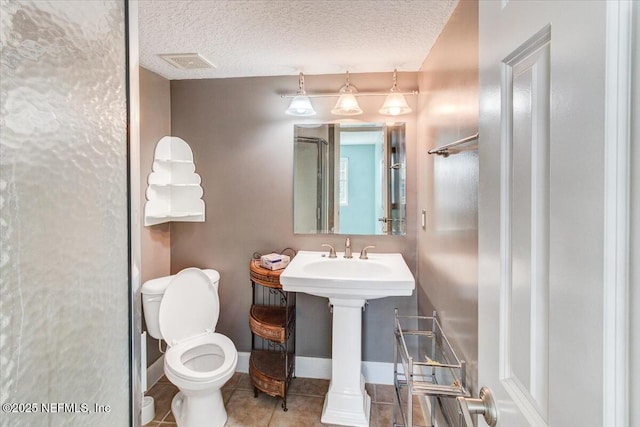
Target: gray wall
<point x="447" y="187"/>
<point x="155" y="122"/>
<point x="243" y="149"/>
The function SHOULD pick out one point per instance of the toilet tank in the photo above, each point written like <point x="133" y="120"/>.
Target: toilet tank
<point x="152" y="292"/>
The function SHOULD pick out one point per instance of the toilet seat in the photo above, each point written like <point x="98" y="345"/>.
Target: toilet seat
<point x="189" y="307"/>
<point x="174" y="360"/>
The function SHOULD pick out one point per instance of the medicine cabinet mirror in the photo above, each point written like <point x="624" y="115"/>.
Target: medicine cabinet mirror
<point x="349" y="178"/>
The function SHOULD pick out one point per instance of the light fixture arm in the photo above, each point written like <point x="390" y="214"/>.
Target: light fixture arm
<point x="357" y="94"/>
<point x="394" y="88"/>
<point x="347" y="86"/>
<point x="301" y="90"/>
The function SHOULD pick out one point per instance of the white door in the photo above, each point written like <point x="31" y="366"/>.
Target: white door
<point x="542" y="213"/>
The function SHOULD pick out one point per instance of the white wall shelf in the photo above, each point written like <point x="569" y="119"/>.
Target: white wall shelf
<point x="174" y="192"/>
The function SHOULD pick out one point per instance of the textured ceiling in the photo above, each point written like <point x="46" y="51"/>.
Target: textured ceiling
<point x="245" y="38"/>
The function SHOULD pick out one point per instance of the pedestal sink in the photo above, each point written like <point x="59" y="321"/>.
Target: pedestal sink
<point x="348" y="283"/>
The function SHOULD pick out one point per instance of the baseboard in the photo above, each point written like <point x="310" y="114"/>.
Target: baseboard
<point x="319" y="367"/>
<point x="307" y="367"/>
<point x="378" y="372"/>
<point x="155" y="372"/>
<point x="313" y="367"/>
<point x="243" y="362"/>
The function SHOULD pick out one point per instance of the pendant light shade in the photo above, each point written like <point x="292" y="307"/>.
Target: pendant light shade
<point x="395" y="104"/>
<point x="347" y="104"/>
<point x="301" y="105"/>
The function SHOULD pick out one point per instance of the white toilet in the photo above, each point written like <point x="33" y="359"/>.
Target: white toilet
<point x="183" y="310"/>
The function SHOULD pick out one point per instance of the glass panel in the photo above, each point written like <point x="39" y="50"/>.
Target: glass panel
<point x="64" y="339"/>
<point x="397" y="178"/>
<point x="312" y="165"/>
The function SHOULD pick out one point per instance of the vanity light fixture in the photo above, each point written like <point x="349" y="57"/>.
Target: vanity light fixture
<point x="300" y="105"/>
<point x="395" y="104"/>
<point x="347" y="104"/>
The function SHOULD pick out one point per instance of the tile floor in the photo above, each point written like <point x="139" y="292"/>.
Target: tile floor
<point x="304" y="401"/>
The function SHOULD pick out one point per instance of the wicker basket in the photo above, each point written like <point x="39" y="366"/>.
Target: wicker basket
<point x="264" y="276"/>
<point x="269" y="372"/>
<point x="270" y="322"/>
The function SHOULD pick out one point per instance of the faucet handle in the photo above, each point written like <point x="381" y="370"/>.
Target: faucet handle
<point x="332" y="252"/>
<point x="363" y="254"/>
<point x="347" y="248"/>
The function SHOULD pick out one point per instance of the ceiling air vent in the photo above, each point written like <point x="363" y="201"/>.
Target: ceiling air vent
<point x="187" y="61"/>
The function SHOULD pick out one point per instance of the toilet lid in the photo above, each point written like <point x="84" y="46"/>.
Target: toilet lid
<point x="189" y="307"/>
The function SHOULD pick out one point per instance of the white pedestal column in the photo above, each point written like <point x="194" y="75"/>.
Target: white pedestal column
<point x="347" y="403"/>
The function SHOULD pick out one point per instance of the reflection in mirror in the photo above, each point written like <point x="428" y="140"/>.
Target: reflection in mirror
<point x="349" y="178"/>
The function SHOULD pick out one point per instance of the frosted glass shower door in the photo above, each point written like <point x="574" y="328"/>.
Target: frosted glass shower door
<point x="64" y="275"/>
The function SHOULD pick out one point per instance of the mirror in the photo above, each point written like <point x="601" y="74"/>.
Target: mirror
<point x="349" y="178"/>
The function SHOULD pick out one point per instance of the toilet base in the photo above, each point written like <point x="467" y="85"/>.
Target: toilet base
<point x="199" y="409"/>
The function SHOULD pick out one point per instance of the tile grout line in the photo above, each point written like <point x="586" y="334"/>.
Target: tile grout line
<point x="165" y="415"/>
<point x="272" y="412"/>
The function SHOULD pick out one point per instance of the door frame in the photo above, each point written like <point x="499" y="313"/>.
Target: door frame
<point x="617" y="206"/>
<point x="138" y="372"/>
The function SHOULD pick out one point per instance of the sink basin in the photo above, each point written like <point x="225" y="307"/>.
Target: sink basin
<point x="382" y="275"/>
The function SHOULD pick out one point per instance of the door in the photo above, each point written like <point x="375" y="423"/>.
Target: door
<point x="64" y="223"/>
<point x="542" y="213"/>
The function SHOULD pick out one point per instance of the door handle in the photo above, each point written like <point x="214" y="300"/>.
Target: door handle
<point x="484" y="405"/>
<point x="385" y="220"/>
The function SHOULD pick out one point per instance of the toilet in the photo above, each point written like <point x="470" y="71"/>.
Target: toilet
<point x="183" y="310"/>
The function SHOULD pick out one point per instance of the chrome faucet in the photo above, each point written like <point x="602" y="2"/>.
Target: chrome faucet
<point x="332" y="252"/>
<point x="347" y="248"/>
<point x="363" y="254"/>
